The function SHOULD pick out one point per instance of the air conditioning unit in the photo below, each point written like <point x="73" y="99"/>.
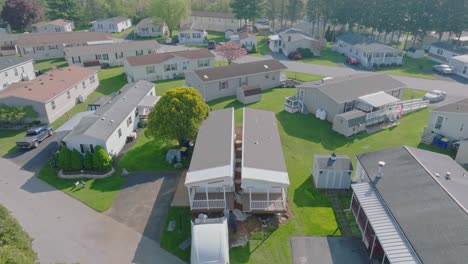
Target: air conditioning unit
<point x="25" y="77"/>
<point x="81" y="98"/>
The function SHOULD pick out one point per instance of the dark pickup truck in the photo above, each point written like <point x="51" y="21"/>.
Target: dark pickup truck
<point x="34" y="136"/>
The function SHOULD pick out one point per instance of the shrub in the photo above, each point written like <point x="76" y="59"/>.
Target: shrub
<point x="101" y="160"/>
<point x="141" y="124"/>
<point x="88" y="161"/>
<point x="254" y="49"/>
<point x="306" y="53"/>
<point x="76" y="163"/>
<point x="64" y="158"/>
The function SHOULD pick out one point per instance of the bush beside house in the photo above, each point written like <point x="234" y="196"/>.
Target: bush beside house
<point x="88" y="161"/>
<point x="101" y="160"/>
<point x="72" y="160"/>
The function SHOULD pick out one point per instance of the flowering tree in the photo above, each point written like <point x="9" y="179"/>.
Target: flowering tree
<point x="230" y="51"/>
<point x="20" y="14"/>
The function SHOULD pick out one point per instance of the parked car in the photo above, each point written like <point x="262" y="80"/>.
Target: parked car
<point x="34" y="136"/>
<point x="211" y="45"/>
<point x="263" y="21"/>
<point x="295" y="55"/>
<point x="443" y="68"/>
<point x="351" y="61"/>
<point x="435" y="96"/>
<point x="168" y="41"/>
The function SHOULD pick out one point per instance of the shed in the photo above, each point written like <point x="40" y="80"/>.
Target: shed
<point x="249" y="94"/>
<point x="332" y="171"/>
<point x="210" y="241"/>
<point x="350" y="123"/>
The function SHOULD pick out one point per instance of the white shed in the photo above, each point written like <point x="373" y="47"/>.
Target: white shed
<point x="210" y="241"/>
<point x="332" y="171"/>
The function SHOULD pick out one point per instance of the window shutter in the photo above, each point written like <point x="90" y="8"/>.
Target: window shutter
<point x="81" y="147"/>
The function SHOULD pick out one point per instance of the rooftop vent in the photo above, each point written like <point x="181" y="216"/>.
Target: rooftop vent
<point x="448" y="176"/>
<point x="380" y="172"/>
<point x="266" y="66"/>
<point x="112" y="121"/>
<point x="437" y="175"/>
<point x="331" y="160"/>
<point x="205" y="76"/>
<point x="256" y="142"/>
<point x="103" y="118"/>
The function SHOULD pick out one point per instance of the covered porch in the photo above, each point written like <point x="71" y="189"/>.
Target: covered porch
<point x="208" y="200"/>
<point x="384" y="58"/>
<point x="264" y="202"/>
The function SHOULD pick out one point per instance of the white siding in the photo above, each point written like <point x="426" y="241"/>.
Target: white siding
<point x="454" y="125"/>
<point x="50" y="28"/>
<point x="115" y="143"/>
<point x="461" y="67"/>
<point x="216" y="24"/>
<point x="110" y="26"/>
<point x="192" y="36"/>
<point x="440" y="55"/>
<point x="17" y="73"/>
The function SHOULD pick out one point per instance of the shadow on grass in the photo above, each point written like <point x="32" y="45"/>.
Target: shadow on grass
<point x="112" y="84"/>
<point x="149" y="156"/>
<point x="306" y="195"/>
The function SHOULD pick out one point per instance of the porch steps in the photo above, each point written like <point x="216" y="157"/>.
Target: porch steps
<point x="428" y="138"/>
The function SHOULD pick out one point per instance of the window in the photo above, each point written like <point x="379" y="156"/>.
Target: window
<point x="129" y="121"/>
<point x="92" y="79"/>
<point x="440" y="51"/>
<point x="461" y="127"/>
<point x="139" y="52"/>
<point x="223" y="85"/>
<point x="51" y="47"/>
<point x="203" y="63"/>
<point x="150" y="69"/>
<point x="170" y="67"/>
<point x="119" y="132"/>
<point x="438" y="124"/>
<point x="105" y="56"/>
<point x="348" y="106"/>
<point x="68" y="95"/>
<point x="267" y="76"/>
<point x="83" y="84"/>
<point x="52" y="103"/>
<point x="98" y="56"/>
<point x="16" y="71"/>
<point x="464" y="69"/>
<point x="40" y="48"/>
<point x="86" y="147"/>
<point x="6" y="74"/>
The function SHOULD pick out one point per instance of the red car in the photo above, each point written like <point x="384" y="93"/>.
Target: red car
<point x="295" y="55"/>
<point x="351" y="61"/>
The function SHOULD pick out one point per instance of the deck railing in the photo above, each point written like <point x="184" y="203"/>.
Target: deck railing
<point x="276" y="205"/>
<point x="208" y="204"/>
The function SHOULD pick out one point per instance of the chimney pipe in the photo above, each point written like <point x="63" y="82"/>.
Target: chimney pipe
<point x="447" y="175"/>
<point x="380" y="172"/>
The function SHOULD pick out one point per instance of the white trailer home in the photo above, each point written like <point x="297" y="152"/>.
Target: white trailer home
<point x="210" y="178"/>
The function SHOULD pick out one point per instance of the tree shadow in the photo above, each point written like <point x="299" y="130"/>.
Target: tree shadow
<point x="112" y="84"/>
<point x="306" y="195"/>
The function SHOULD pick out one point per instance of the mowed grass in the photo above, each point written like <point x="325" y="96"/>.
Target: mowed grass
<point x="327" y="58"/>
<point x="170" y="241"/>
<point x="417" y="68"/>
<point x="45" y="65"/>
<point x="413" y="94"/>
<point x="303" y="77"/>
<point x="303" y="136"/>
<point x="98" y="193"/>
<point x="262" y="47"/>
<point x="124" y="33"/>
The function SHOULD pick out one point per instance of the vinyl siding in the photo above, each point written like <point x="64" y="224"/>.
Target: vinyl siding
<point x="25" y="69"/>
<point x="451" y="125"/>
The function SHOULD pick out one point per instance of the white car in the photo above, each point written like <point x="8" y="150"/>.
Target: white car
<point x="435" y="96"/>
<point x="169" y="41"/>
<point x="443" y="68"/>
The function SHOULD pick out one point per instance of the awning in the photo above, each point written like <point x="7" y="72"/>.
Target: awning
<point x="394" y="243"/>
<point x="378" y="99"/>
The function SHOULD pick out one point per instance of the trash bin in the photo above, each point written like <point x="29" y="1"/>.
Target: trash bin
<point x="437" y="140"/>
<point x="443" y="143"/>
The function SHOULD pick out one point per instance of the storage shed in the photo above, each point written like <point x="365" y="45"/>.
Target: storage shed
<point x="249" y="94"/>
<point x="332" y="171"/>
<point x="350" y="123"/>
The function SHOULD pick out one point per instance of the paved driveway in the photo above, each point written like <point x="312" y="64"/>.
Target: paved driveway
<point x="144" y="201"/>
<point x="65" y="230"/>
<point x="33" y="159"/>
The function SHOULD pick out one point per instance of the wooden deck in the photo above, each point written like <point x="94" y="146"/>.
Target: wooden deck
<point x="260" y="203"/>
<point x="215" y="202"/>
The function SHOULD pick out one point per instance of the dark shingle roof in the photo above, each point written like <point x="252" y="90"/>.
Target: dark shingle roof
<point x="455" y="107"/>
<point x="341" y="163"/>
<point x="10" y="61"/>
<point x="423" y="204"/>
<point x="236" y="70"/>
<point x="365" y="43"/>
<point x="251" y="90"/>
<point x="351" y="87"/>
<point x="450" y="47"/>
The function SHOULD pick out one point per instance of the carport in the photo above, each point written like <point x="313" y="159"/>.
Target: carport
<point x="380" y="232"/>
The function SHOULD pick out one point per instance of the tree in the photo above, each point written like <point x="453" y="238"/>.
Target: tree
<point x="294" y="10"/>
<point x="171" y="11"/>
<point x="272" y="8"/>
<point x="76" y="162"/>
<point x="64" y="158"/>
<point x="20" y="14"/>
<point x="65" y="9"/>
<point x="230" y="51"/>
<point x="178" y="115"/>
<point x="101" y="160"/>
<point x="88" y="161"/>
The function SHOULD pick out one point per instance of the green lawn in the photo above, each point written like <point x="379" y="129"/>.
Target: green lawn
<point x="418" y="68"/>
<point x="16" y="244"/>
<point x="170" y="241"/>
<point x="98" y="194"/>
<point x="45" y="65"/>
<point x="216" y="36"/>
<point x="220" y="63"/>
<point x="413" y="94"/>
<point x="302" y="137"/>
<point x="162" y="86"/>
<point x="262" y="47"/>
<point x="327" y="57"/>
<point x="303" y="77"/>
<point x="124" y="33"/>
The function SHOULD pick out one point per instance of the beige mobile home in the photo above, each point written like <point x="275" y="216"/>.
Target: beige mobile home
<point x="58" y="25"/>
<point x="15" y="69"/>
<point x="151" y="27"/>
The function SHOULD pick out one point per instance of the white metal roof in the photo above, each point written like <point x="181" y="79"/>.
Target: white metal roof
<point x="462" y="58"/>
<point x="394" y="243"/>
<point x="378" y="99"/>
<point x="210" y="242"/>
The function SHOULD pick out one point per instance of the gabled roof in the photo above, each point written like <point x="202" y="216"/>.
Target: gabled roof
<point x="56" y="22"/>
<point x="112" y="47"/>
<point x="429" y="209"/>
<point x="110" y="116"/>
<point x="11" y="61"/>
<point x="33" y="39"/>
<point x="295" y="35"/>
<point x="190" y="26"/>
<point x="365" y="43"/>
<point x="236" y="70"/>
<point x="116" y="19"/>
<point x="49" y="85"/>
<point x="150" y="21"/>
<point x="462" y="58"/>
<point x="162" y="57"/>
<point x="262" y="152"/>
<point x="455" y="107"/>
<point x="213" y="155"/>
<point x="343" y="89"/>
<point x="450" y="47"/>
<point x="213" y="14"/>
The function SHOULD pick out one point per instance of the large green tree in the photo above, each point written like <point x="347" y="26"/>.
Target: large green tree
<point x="20" y="14"/>
<point x="66" y="9"/>
<point x="247" y="9"/>
<point x="178" y="115"/>
<point x="171" y="11"/>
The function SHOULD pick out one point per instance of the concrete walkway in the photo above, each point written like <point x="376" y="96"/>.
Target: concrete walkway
<point x="65" y="230"/>
<point x="181" y="195"/>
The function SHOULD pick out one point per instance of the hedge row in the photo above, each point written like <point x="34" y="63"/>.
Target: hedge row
<point x="72" y="160"/>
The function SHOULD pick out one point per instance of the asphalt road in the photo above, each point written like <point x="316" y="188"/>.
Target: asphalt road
<point x="65" y="230"/>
